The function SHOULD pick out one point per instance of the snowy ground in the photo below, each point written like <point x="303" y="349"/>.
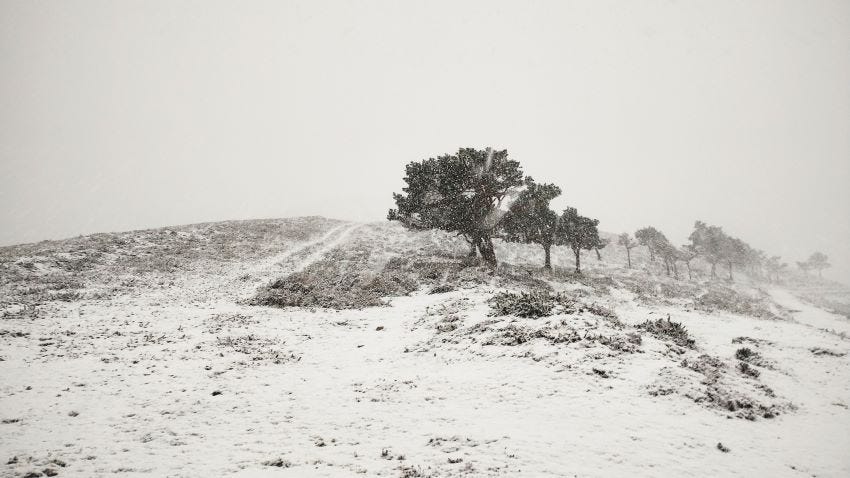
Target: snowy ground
<point x="167" y="372"/>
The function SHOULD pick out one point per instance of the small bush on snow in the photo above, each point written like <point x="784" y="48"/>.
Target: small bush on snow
<point x="667" y="329"/>
<point x="746" y="369"/>
<point x="745" y="354"/>
<point x="529" y="304"/>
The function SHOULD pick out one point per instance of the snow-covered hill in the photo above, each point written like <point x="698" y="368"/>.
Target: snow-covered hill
<point x="154" y="353"/>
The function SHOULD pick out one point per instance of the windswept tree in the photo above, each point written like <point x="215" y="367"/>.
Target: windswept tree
<point x="578" y="232"/>
<point x="819" y="261"/>
<point x="459" y="193"/>
<point x="734" y="252"/>
<point x="804" y="266"/>
<point x="668" y="253"/>
<point x="709" y="242"/>
<point x="650" y="238"/>
<point x="659" y="246"/>
<point x="628" y="243"/>
<point x="529" y="219"/>
<point x="717" y="247"/>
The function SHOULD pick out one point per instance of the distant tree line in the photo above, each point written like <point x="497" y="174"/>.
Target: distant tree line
<point x="818" y="261"/>
<point x="715" y="247"/>
<point x="483" y="194"/>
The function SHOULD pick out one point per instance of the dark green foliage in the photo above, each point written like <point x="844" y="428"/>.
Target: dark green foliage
<point x="358" y="276"/>
<point x="524" y="304"/>
<point x="543" y="303"/>
<point x="338" y="282"/>
<point x="529" y="219"/>
<point x="748" y="370"/>
<point x="530" y="304"/>
<point x="578" y="232"/>
<point x="751" y="357"/>
<point x="458" y="193"/>
<point x="600" y="311"/>
<point x="441" y="289"/>
<point x="649" y="237"/>
<point x="659" y="246"/>
<point x="744" y="353"/>
<point x="278" y="462"/>
<point x="708" y="242"/>
<point x="667" y="329"/>
<point x="822" y="351"/>
<point x="715" y="246"/>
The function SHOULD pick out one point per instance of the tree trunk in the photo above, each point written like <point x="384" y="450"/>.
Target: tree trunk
<point x="629" y="257"/>
<point x="714" y="270"/>
<point x="547" y="249"/>
<point x="488" y="252"/>
<point x="730" y="271"/>
<point x="675" y="271"/>
<point x="667" y="265"/>
<point x="473" y="251"/>
<point x="598" y="255"/>
<point x="651" y="255"/>
<point x="577" y="252"/>
<point x="689" y="270"/>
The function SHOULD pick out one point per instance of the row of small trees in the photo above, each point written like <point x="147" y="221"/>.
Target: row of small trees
<point x="482" y="194"/>
<point x="708" y="242"/>
<point x="714" y="246"/>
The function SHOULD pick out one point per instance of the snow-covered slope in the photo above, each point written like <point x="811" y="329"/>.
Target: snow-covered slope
<point x="141" y="354"/>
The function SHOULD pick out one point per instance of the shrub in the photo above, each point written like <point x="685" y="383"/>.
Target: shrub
<point x="278" y="462"/>
<point x="441" y="289"/>
<point x="667" y="329"/>
<point x="746" y="369"/>
<point x="600" y="311"/>
<point x="340" y="281"/>
<point x="529" y="304"/>
<point x="745" y="354"/>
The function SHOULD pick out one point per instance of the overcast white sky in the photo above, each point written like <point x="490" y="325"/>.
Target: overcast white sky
<point x="119" y="115"/>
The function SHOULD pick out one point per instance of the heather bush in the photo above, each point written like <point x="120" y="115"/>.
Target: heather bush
<point x="530" y="304"/>
<point x="668" y="330"/>
<point x="748" y="370"/>
<point x="745" y="354"/>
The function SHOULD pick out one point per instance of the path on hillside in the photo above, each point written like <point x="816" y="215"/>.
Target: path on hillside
<point x="810" y="315"/>
<point x="282" y="264"/>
